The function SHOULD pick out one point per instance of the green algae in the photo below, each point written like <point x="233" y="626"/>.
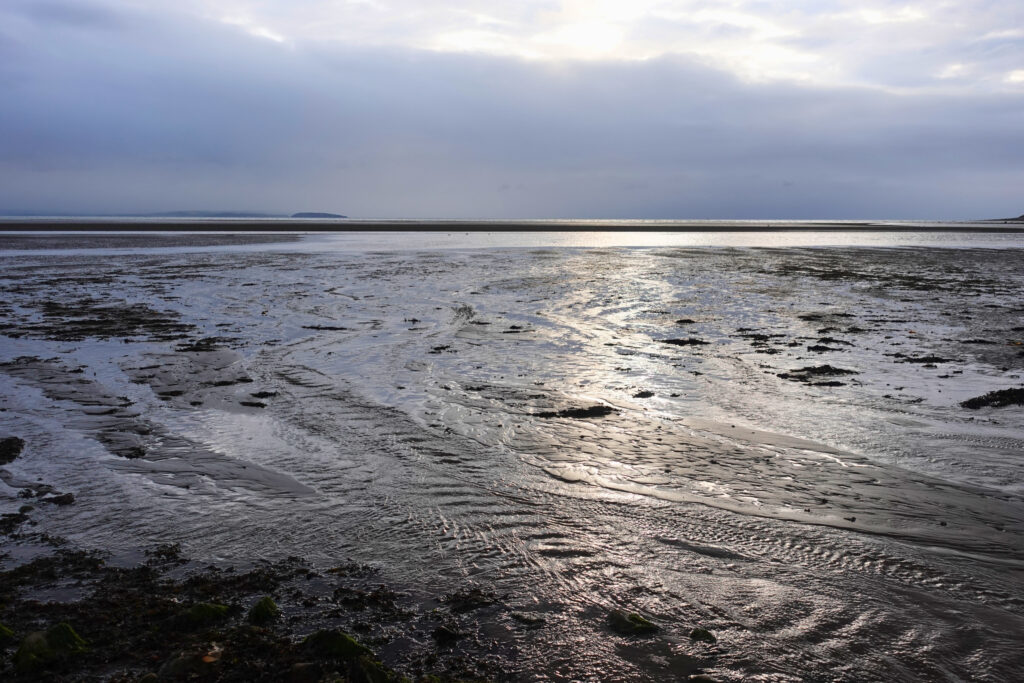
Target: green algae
<point x="264" y="611"/>
<point x="41" y="647"/>
<point x="336" y="644"/>
<point x="630" y="624"/>
<point x="702" y="635"/>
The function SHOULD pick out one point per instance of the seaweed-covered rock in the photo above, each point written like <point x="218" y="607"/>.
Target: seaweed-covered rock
<point x="630" y="624"/>
<point x="10" y="448"/>
<point x="360" y="665"/>
<point x="528" y="619"/>
<point x="810" y="373"/>
<point x="996" y="399"/>
<point x="40" y="647"/>
<point x="445" y="634"/>
<point x="689" y="341"/>
<point x="6" y="634"/>
<point x="184" y="665"/>
<point x="205" y="613"/>
<point x="10" y="521"/>
<point x="336" y="644"/>
<point x="702" y="635"/>
<point x="265" y="610"/>
<point x="468" y="600"/>
<point x="578" y="413"/>
<point x="60" y="499"/>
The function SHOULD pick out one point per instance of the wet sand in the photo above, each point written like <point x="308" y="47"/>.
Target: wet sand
<point x="794" y="471"/>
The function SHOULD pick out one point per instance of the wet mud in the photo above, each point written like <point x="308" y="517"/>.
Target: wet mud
<point x="548" y="482"/>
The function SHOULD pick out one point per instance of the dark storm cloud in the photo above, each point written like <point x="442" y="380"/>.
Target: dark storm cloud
<point x="112" y="108"/>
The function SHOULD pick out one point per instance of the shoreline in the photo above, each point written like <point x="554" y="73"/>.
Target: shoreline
<point x="349" y="225"/>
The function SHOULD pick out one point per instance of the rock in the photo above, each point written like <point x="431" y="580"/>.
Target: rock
<point x="182" y="666"/>
<point x="264" y="611"/>
<point x="528" y="619"/>
<point x="39" y="647"/>
<point x="630" y="624"/>
<point x="336" y="644"/>
<point x="810" y="373"/>
<point x="10" y="448"/>
<point x="205" y="613"/>
<point x="996" y="399"/>
<point x="149" y="678"/>
<point x="702" y="635"/>
<point x="9" y="521"/>
<point x="6" y="634"/>
<point x="468" y="600"/>
<point x="34" y="652"/>
<point x="445" y="635"/>
<point x="579" y="413"/>
<point x="305" y="672"/>
<point x="643" y="394"/>
<point x="63" y="638"/>
<point x="691" y="341"/>
<point x="370" y="670"/>
<point x="62" y="499"/>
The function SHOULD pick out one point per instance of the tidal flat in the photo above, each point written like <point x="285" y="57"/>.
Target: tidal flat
<point x="522" y="463"/>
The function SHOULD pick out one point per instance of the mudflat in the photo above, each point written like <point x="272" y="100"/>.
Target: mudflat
<point x="512" y="463"/>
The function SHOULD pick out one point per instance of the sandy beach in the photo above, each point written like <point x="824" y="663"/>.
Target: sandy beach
<point x="535" y="463"/>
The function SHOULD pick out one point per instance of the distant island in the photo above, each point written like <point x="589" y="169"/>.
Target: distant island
<point x="242" y="214"/>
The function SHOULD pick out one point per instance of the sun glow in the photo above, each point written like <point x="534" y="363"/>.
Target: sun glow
<point x="830" y="44"/>
<point x="582" y="40"/>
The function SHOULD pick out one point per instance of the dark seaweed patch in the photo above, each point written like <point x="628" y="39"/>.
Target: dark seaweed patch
<point x="929" y="360"/>
<point x="810" y="373"/>
<point x="996" y="399"/>
<point x="579" y="413"/>
<point x="691" y="341"/>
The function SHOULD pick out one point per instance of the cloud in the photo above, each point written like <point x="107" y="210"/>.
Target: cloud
<point x="148" y="109"/>
<point x="829" y="42"/>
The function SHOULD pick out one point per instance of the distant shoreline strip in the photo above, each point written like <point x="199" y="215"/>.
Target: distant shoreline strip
<point x="308" y="225"/>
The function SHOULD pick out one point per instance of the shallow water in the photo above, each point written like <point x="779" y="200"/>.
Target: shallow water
<point x="862" y="531"/>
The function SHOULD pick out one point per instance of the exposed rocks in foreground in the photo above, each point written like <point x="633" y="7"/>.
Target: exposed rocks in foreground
<point x="276" y="621"/>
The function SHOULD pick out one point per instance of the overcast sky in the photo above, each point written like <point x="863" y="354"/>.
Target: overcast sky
<point x="537" y="108"/>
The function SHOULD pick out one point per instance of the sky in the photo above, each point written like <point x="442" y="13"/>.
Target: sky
<point x="729" y="109"/>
